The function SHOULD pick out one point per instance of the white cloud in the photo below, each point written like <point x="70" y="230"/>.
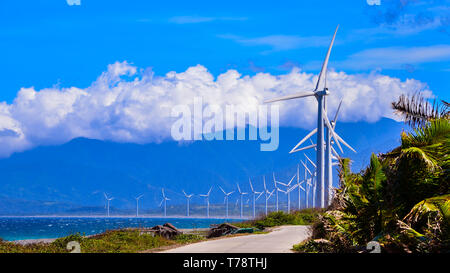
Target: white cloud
<point x="395" y="57"/>
<point x="73" y="2"/>
<point x="280" y="42"/>
<point x="201" y="19"/>
<point x="127" y="104"/>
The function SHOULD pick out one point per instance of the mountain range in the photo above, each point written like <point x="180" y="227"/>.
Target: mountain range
<point x="71" y="178"/>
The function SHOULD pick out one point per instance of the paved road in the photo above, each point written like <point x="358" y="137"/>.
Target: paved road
<point x="280" y="240"/>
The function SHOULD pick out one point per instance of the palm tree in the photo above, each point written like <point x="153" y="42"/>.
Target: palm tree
<point x="417" y="111"/>
<point x="403" y="190"/>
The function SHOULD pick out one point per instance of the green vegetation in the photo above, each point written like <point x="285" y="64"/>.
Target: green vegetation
<point x="402" y="199"/>
<point x="299" y="217"/>
<point x="125" y="240"/>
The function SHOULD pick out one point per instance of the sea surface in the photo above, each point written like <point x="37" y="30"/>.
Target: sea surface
<point x="21" y="228"/>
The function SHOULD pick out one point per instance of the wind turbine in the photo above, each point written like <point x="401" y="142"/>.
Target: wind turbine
<point x="276" y="189"/>
<point x="226" y="199"/>
<point x="241" y="194"/>
<point x="308" y="182"/>
<point x="319" y="93"/>
<point x="288" y="193"/>
<point x="330" y="153"/>
<point x="286" y="185"/>
<point x="267" y="193"/>
<point x="188" y="199"/>
<point x="299" y="186"/>
<point x="164" y="200"/>
<point x="107" y="202"/>
<point x="254" y="193"/>
<point x="137" y="204"/>
<point x="207" y="201"/>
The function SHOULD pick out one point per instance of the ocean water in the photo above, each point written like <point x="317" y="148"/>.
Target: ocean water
<point x="21" y="228"/>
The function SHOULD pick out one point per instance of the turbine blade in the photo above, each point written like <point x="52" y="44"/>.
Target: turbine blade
<point x="310" y="161"/>
<point x="251" y="186"/>
<point x="270" y="194"/>
<point x="293" y="188"/>
<point x="336" y="115"/>
<point x="345" y="143"/>
<point x="292" y="179"/>
<point x="292" y="96"/>
<point x="304" y="148"/>
<point x="222" y="190"/>
<point x="304" y="139"/>
<point x="333" y="134"/>
<point x="260" y="194"/>
<point x="304" y="165"/>
<point x="313" y="144"/>
<point x="160" y="204"/>
<point x="334" y="152"/>
<point x="325" y="63"/>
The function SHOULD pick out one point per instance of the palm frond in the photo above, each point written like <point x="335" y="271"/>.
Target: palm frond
<point x="417" y="111"/>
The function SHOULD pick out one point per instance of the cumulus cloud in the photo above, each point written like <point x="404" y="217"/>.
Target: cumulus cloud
<point x="128" y="104"/>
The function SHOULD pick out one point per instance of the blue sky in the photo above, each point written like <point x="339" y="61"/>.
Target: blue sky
<point x="50" y="44"/>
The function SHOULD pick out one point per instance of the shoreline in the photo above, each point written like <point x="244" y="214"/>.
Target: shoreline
<point x="127" y="216"/>
<point x="50" y="240"/>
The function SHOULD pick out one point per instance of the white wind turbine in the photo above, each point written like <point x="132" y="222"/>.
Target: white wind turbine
<point x="226" y="199"/>
<point x="286" y="185"/>
<point x="319" y="93"/>
<point x="241" y="194"/>
<point x="267" y="193"/>
<point x="299" y="186"/>
<point x="107" y="202"/>
<point x="330" y="153"/>
<point x="288" y="193"/>
<point x="254" y="193"/>
<point x="275" y="182"/>
<point x="207" y="201"/>
<point x="188" y="199"/>
<point x="308" y="182"/>
<point x="137" y="204"/>
<point x="164" y="200"/>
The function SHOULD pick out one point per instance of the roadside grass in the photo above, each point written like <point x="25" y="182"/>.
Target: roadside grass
<point x="114" y="241"/>
<point x="298" y="217"/>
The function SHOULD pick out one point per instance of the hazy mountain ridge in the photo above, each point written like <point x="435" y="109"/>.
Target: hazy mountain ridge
<point x="75" y="174"/>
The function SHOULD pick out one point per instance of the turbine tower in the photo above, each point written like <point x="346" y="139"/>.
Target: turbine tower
<point x="107" y="202"/>
<point x="225" y="200"/>
<point x="137" y="204"/>
<point x="330" y="153"/>
<point x="267" y="193"/>
<point x="241" y="194"/>
<point x="207" y="201"/>
<point x="299" y="186"/>
<point x="276" y="189"/>
<point x="288" y="193"/>
<point x="308" y="183"/>
<point x="254" y="193"/>
<point x="319" y="93"/>
<point x="164" y="200"/>
<point x="286" y="185"/>
<point x="188" y="199"/>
